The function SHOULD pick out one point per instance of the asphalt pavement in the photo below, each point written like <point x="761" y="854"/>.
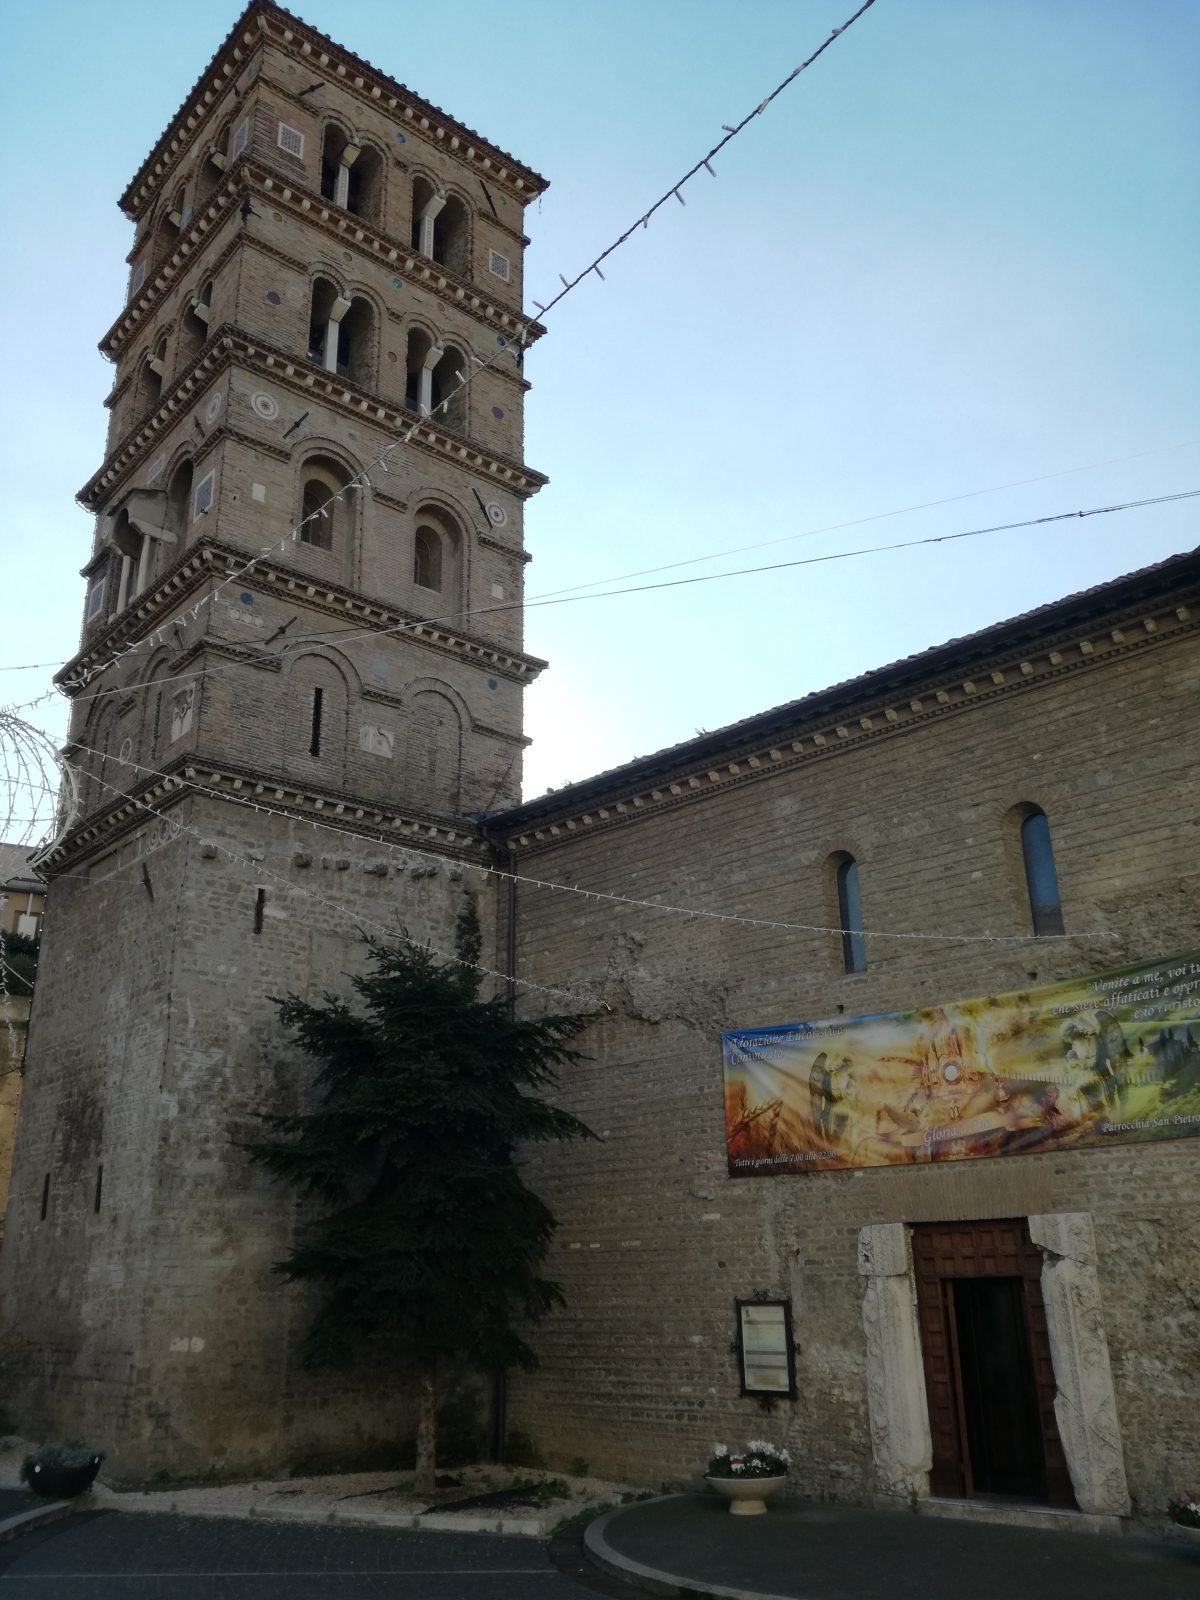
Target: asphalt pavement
<point x="107" y="1556"/>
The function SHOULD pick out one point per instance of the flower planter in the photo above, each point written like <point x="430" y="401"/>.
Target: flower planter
<point x="746" y="1496"/>
<point x="59" y="1472"/>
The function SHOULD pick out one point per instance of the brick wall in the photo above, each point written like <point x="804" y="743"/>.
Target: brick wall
<point x="656" y="1241"/>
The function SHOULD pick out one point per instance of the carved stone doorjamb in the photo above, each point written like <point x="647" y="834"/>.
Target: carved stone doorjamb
<point x="1086" y="1403"/>
<point x="899" y="1415"/>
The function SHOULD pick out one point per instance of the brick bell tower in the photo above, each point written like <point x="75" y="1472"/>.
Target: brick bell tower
<point x="319" y="256"/>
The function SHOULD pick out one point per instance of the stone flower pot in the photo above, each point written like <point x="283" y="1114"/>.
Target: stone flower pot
<point x="746" y="1496"/>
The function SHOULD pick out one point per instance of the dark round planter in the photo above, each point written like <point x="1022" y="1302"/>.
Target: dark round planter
<point x="60" y="1472"/>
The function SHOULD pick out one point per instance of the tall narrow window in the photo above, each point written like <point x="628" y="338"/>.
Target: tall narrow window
<point x="314" y="741"/>
<point x="1045" y="905"/>
<point x="854" y="946"/>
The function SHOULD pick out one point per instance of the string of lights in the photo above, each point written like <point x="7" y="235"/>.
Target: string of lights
<point x="528" y="881"/>
<point x="704" y="164"/>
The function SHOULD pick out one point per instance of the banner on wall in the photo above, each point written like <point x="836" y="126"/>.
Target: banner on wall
<point x="1084" y="1064"/>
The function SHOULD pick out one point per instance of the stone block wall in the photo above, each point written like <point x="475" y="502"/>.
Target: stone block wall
<point x="141" y="1311"/>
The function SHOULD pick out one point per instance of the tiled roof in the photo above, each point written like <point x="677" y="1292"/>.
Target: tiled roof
<point x="985" y="642"/>
<point x="535" y="182"/>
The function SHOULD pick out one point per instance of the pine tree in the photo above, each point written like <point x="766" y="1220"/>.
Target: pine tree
<point x="425" y="1094"/>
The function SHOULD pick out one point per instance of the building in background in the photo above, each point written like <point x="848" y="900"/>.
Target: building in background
<point x="22" y="892"/>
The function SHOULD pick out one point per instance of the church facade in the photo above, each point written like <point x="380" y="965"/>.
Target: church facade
<point x="297" y="712"/>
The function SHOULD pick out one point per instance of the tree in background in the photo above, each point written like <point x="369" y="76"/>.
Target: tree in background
<point x="425" y="1094"/>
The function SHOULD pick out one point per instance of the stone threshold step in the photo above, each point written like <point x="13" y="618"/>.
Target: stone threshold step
<point x="1002" y="1514"/>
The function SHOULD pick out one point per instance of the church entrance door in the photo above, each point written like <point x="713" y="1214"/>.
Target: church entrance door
<point x="988" y="1373"/>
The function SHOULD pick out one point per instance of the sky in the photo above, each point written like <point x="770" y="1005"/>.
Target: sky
<point x="957" y="254"/>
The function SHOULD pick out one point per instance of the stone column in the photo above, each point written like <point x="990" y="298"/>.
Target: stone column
<point x="1085" y="1405"/>
<point x="899" y="1412"/>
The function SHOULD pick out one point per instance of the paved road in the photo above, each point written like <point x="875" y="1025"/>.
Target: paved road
<point x="115" y="1556"/>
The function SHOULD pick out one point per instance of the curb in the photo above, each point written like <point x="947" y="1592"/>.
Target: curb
<point x="36" y="1517"/>
<point x="601" y="1554"/>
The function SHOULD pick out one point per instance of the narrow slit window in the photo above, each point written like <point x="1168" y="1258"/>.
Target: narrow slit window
<point x="854" y="946"/>
<point x="260" y="901"/>
<point x="1041" y="878"/>
<point x="314" y="741"/>
<point x="45" y="1196"/>
<point x="99" y="1188"/>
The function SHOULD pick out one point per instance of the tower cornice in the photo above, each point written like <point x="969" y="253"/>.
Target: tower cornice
<point x="419" y="118"/>
<point x="209" y="559"/>
<point x="192" y="775"/>
<point x="248" y="177"/>
<point x="230" y="347"/>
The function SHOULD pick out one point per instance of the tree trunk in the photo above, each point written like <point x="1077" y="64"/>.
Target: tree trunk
<point x="424" y="1480"/>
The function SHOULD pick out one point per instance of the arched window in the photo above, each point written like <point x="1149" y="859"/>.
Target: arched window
<point x="193" y="329"/>
<point x="326" y="506"/>
<point x="340" y="332"/>
<point x="427" y="562"/>
<point x="854" y="946"/>
<point x="150" y="378"/>
<point x="351" y="173"/>
<point x="448" y="395"/>
<point x="1041" y="878"/>
<point x="437" y="547"/>
<point x="439" y="226"/>
<point x="317" y="712"/>
<point x="418" y="372"/>
<point x="211" y="168"/>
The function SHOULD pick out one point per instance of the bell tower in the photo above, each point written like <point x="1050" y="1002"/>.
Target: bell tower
<point x="298" y="686"/>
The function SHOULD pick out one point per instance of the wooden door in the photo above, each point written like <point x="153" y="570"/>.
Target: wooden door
<point x="976" y="1340"/>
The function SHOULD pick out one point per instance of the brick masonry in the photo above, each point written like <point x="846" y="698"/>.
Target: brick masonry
<point x="656" y="1241"/>
<point x="140" y="1311"/>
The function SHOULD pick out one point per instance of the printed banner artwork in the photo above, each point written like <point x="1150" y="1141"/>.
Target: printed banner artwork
<point x="1087" y="1063"/>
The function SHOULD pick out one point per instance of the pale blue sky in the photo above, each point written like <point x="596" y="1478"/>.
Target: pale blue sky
<point x="960" y="251"/>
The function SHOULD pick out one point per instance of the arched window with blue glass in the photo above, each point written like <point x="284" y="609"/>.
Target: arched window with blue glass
<point x="1041" y="877"/>
<point x="854" y="945"/>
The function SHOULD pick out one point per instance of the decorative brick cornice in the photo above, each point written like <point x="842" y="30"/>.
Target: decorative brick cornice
<point x="864" y="718"/>
<point x="209" y="559"/>
<point x="191" y="775"/>
<point x="229" y="347"/>
<point x="513" y="553"/>
<point x="246" y="177"/>
<point x="262" y="20"/>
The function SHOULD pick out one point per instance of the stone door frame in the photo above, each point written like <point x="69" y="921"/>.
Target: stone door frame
<point x="1085" y="1404"/>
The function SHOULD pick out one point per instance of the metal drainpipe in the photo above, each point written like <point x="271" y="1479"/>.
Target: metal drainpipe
<point x="500" y="1388"/>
